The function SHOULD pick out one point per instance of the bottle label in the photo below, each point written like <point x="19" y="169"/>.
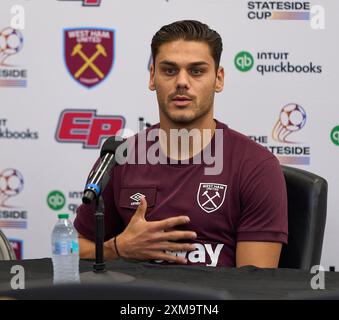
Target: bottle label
<point x="64" y="248"/>
<point x="61" y="248"/>
<point x="75" y="247"/>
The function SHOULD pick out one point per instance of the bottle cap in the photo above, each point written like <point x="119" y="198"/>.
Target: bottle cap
<point x="63" y="216"/>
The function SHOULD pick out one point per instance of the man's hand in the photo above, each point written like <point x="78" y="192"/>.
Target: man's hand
<point x="144" y="240"/>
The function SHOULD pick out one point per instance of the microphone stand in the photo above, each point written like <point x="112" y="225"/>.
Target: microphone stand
<point x="99" y="265"/>
<point x="99" y="272"/>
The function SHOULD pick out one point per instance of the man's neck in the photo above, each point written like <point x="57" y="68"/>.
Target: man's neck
<point x="183" y="141"/>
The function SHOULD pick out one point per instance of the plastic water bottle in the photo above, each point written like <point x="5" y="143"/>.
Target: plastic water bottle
<point x="65" y="251"/>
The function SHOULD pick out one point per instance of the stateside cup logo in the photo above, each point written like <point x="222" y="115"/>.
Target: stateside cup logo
<point x="11" y="43"/>
<point x="288" y="149"/>
<point x="211" y="196"/>
<point x="292" y="118"/>
<point x="11" y="184"/>
<point x="288" y="11"/>
<point x="89" y="54"/>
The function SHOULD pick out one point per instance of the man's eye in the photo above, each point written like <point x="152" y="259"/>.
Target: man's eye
<point x="197" y="72"/>
<point x="170" y="71"/>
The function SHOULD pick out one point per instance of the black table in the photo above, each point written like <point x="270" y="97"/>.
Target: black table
<point x="171" y="281"/>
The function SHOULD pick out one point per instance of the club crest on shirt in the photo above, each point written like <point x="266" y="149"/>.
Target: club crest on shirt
<point x="211" y="196"/>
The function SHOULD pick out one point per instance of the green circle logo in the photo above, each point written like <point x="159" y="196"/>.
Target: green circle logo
<point x="56" y="200"/>
<point x="335" y="135"/>
<point x="244" y="61"/>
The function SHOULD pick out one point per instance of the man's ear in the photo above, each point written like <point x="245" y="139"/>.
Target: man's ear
<point x="151" y="84"/>
<point x="219" y="84"/>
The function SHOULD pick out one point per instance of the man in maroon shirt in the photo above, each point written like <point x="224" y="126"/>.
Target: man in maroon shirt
<point x="175" y="210"/>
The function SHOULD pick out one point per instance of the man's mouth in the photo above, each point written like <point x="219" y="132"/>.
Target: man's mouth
<point x="181" y="100"/>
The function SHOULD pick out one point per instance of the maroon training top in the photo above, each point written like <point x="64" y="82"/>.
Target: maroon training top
<point x="246" y="202"/>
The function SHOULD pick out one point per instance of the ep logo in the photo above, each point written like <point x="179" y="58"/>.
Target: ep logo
<point x="88" y="3"/>
<point x="86" y="127"/>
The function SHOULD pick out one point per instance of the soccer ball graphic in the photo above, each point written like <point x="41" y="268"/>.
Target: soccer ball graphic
<point x="292" y="117"/>
<point x="11" y="182"/>
<point x="11" y="41"/>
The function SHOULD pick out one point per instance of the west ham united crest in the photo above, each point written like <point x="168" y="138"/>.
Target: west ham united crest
<point x="89" y="54"/>
<point x="211" y="196"/>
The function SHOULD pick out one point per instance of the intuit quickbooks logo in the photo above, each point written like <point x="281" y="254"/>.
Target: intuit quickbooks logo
<point x="8" y="133"/>
<point x="268" y="62"/>
<point x="56" y="200"/>
<point x="244" y="61"/>
<point x="335" y="135"/>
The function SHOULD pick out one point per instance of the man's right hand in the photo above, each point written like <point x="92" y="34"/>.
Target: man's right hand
<point x="148" y="240"/>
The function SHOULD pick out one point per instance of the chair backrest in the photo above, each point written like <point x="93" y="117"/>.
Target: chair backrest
<point x="6" y="250"/>
<point x="307" y="204"/>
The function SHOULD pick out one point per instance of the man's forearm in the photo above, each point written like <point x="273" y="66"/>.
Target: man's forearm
<point x="87" y="249"/>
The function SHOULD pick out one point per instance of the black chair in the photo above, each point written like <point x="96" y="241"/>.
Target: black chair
<point x="6" y="250"/>
<point x="307" y="203"/>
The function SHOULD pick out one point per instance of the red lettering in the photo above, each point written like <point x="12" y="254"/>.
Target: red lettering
<point x="87" y="3"/>
<point x="74" y="126"/>
<point x="87" y="127"/>
<point x="91" y="2"/>
<point x="101" y="128"/>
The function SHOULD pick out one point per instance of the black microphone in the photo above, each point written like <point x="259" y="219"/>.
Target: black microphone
<point x="99" y="177"/>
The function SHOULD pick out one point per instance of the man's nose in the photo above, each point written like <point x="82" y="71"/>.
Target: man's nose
<point x="182" y="80"/>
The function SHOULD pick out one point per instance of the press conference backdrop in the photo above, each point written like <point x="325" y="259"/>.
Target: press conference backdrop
<point x="73" y="72"/>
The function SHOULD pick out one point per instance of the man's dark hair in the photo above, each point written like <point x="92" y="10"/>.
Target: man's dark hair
<point x="189" y="30"/>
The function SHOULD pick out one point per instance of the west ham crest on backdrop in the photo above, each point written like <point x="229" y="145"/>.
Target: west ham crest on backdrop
<point x="89" y="54"/>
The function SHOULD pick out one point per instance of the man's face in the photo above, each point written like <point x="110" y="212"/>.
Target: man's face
<point x="185" y="80"/>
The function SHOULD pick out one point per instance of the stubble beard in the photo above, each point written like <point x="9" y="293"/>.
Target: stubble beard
<point x="185" y="117"/>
